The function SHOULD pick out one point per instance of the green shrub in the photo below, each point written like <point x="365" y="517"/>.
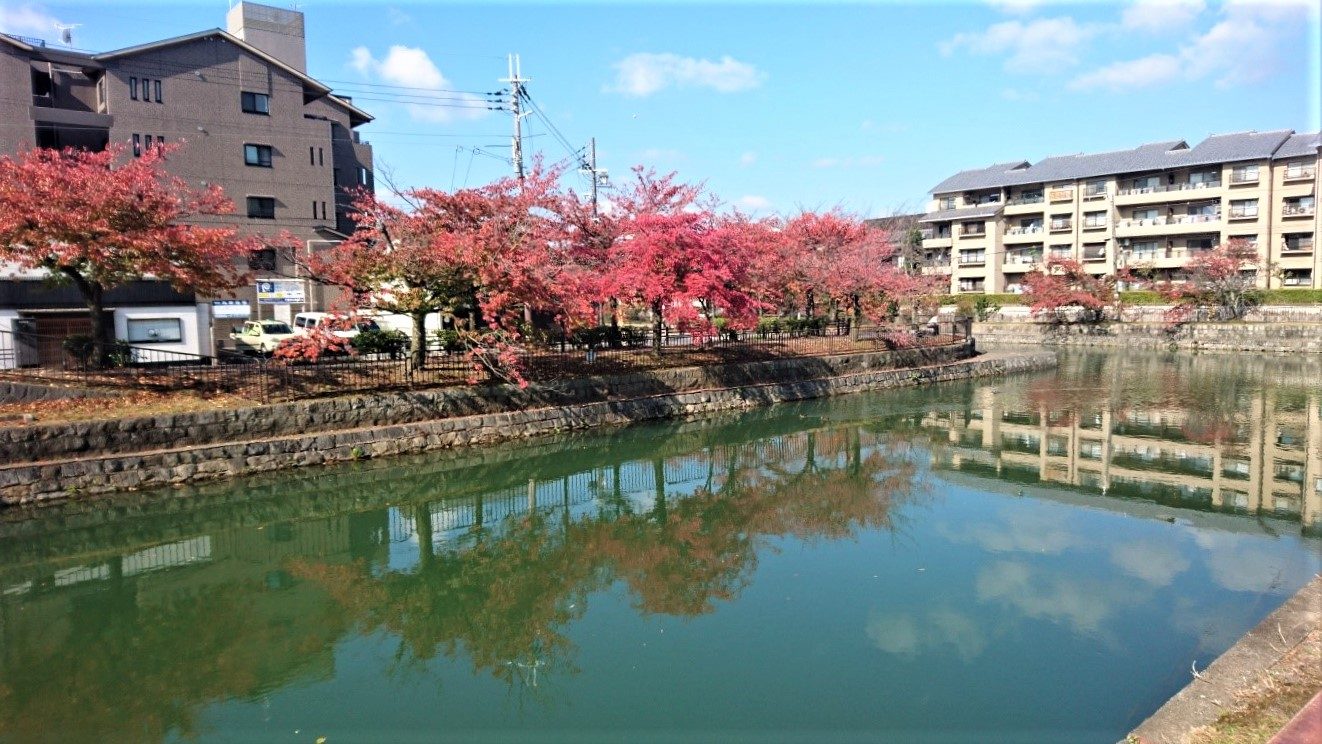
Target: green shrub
<point x="449" y="340"/>
<point x="381" y="342"/>
<point x="1292" y="297"/>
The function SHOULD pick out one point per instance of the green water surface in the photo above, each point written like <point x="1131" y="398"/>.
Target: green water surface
<point x="1038" y="558"/>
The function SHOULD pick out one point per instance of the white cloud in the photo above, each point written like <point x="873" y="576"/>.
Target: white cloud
<point x="644" y="73"/>
<point x="754" y="203"/>
<point x="1161" y="15"/>
<point x="1040" y="46"/>
<point x="1015" y="7"/>
<point x="27" y="19"/>
<point x="747" y="159"/>
<point x="398" y="17"/>
<point x="905" y="634"/>
<point x="411" y="67"/>
<point x="1155" y="69"/>
<point x="1242" y="47"/>
<point x="1154" y="561"/>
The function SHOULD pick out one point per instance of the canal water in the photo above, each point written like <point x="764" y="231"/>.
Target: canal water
<point x="1039" y="558"/>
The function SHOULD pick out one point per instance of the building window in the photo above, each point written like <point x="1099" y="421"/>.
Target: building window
<point x="364" y="176"/>
<point x="1062" y="250"/>
<point x="1244" y="209"/>
<point x="258" y="155"/>
<point x="137" y="145"/>
<point x="1299" y="243"/>
<point x="1293" y="170"/>
<point x="1144" y="251"/>
<point x="156" y="88"/>
<point x="320" y="159"/>
<point x="947" y="202"/>
<point x="973" y="257"/>
<point x="1094" y="251"/>
<point x="155" y="330"/>
<point x="312" y="158"/>
<point x="133" y="87"/>
<point x="1094" y="219"/>
<point x="971" y="285"/>
<point x="262" y="259"/>
<point x="261" y="207"/>
<point x="1249" y="240"/>
<point x="42" y="85"/>
<point x="1204" y="178"/>
<point x="146" y="89"/>
<point x="1244" y="174"/>
<point x="1300" y="205"/>
<point x="1297" y="278"/>
<point x="1146" y="184"/>
<point x="255" y="103"/>
<point x="973" y="228"/>
<point x="1095" y="188"/>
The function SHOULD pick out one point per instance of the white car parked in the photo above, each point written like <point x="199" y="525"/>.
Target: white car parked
<point x="305" y="323"/>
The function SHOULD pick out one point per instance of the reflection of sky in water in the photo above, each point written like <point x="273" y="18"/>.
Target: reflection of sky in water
<point x="809" y="597"/>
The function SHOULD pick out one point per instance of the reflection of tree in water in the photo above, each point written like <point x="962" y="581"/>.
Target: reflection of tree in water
<point x="135" y="668"/>
<point x="510" y="597"/>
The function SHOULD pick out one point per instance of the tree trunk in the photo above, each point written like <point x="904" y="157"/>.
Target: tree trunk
<point x="809" y="304"/>
<point x="418" y="344"/>
<point x="423" y="530"/>
<point x="92" y="293"/>
<point x="657" y="327"/>
<point x="615" y="339"/>
<point x="856" y="319"/>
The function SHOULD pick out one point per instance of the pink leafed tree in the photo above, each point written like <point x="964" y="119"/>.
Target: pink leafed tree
<point x="674" y="255"/>
<point x="98" y="220"/>
<point x="1222" y="282"/>
<point x="1065" y="290"/>
<point x="840" y="259"/>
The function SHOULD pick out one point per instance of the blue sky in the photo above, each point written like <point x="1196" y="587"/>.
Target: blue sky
<point x="784" y="106"/>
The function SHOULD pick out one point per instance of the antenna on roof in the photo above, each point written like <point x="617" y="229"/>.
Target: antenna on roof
<point x="66" y="32"/>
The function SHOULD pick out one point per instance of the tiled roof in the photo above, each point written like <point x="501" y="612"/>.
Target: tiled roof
<point x="963" y="213"/>
<point x="1299" y="145"/>
<point x="1155" y="156"/>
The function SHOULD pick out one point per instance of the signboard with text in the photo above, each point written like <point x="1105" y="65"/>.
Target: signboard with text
<point x="231" y="309"/>
<point x="280" y="292"/>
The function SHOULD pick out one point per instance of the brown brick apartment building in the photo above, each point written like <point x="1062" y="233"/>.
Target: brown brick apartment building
<point x="248" y="118"/>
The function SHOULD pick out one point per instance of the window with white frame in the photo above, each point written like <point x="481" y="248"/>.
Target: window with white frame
<point x="1243" y="208"/>
<point x="155" y="330"/>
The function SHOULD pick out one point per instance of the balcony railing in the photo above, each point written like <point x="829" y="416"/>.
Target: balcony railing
<point x="1294" y="174"/>
<point x="1246" y="177"/>
<point x="1093" y="223"/>
<point x="1026" y="199"/>
<point x="1163" y="188"/>
<point x="1062" y="254"/>
<point x="1057" y="195"/>
<point x="1179" y="219"/>
<point x="1023" y="230"/>
<point x="979" y="261"/>
<point x="973" y="234"/>
<point x="1297" y="210"/>
<point x="1243" y="213"/>
<point x="1094" y="255"/>
<point x="1297" y="280"/>
<point x="1060" y="225"/>
<point x="1023" y="259"/>
<point x="1303" y="246"/>
<point x="1176" y="252"/>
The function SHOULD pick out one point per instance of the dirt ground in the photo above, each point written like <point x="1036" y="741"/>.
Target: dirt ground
<point x="1261" y="709"/>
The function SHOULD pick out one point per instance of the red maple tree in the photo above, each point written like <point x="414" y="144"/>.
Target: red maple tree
<point x="1067" y="291"/>
<point x="98" y="221"/>
<point x="1221" y="282"/>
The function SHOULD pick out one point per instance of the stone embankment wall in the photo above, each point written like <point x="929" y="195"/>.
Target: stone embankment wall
<point x="1276" y="337"/>
<point x="371" y="434"/>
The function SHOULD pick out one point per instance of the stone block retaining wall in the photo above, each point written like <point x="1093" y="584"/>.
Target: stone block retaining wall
<point x="106" y="472"/>
<point x="1232" y="336"/>
<point x="56" y="441"/>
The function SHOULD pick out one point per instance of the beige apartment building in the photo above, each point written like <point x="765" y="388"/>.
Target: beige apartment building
<point x="1152" y="207"/>
<point x="246" y="117"/>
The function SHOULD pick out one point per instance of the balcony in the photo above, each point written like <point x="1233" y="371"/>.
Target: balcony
<point x="1297" y="279"/>
<point x="1061" y="195"/>
<point x="1306" y="173"/>
<point x="1172" y="256"/>
<point x="1298" y="210"/>
<point x="1021" y="260"/>
<point x="1025" y="199"/>
<point x="1247" y="177"/>
<point x="1094" y="254"/>
<point x="970" y="234"/>
<point x="1297" y="248"/>
<point x="1243" y="213"/>
<point x="1096" y="223"/>
<point x="1176" y="224"/>
<point x="1022" y="233"/>
<point x="1062" y="225"/>
<point x="1165" y="193"/>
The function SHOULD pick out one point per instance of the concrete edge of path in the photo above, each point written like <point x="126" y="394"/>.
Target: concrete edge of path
<point x="1208" y="694"/>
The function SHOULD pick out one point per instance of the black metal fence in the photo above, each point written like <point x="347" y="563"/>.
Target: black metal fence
<point x="49" y="359"/>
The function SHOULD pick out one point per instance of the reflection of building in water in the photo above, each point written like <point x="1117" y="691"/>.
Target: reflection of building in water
<point x="1267" y="459"/>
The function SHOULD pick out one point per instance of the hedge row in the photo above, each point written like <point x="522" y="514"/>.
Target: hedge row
<point x="1147" y="297"/>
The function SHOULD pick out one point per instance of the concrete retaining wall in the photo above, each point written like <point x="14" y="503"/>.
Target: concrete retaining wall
<point x="1233" y="336"/>
<point x="55" y="441"/>
<point x="107" y="472"/>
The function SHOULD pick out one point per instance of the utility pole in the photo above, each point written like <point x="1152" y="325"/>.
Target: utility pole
<point x="516" y="82"/>
<point x="598" y="175"/>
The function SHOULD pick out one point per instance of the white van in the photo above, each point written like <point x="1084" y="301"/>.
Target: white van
<point x="305" y="323"/>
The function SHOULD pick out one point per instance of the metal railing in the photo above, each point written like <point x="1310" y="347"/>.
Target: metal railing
<point x="54" y="360"/>
<point x="1163" y="188"/>
<point x="1297" y="210"/>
